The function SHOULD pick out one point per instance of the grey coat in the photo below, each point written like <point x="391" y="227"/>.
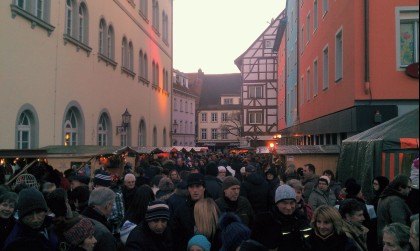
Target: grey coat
<point x="319" y="198"/>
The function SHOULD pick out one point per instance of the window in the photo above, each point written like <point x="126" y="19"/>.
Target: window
<point x="124" y="53"/>
<point x="224" y="133"/>
<point x="155" y="20"/>
<point x="302" y="40"/>
<point x="228" y="101"/>
<point x="308" y="28"/>
<point x="325" y="71"/>
<point x="110" y="43"/>
<point x="302" y="94"/>
<point x="181" y="105"/>
<point x="186" y="127"/>
<point x="324" y="7"/>
<point x="130" y="56"/>
<point x="339" y="56"/>
<point x="24" y="132"/>
<point x="186" y="107"/>
<point x="191" y="128"/>
<point x="35" y="11"/>
<point x="157" y="74"/>
<point x="224" y="116"/>
<point x="82" y="24"/>
<point x="103" y="130"/>
<point x="214" y="133"/>
<point x="204" y="117"/>
<point x="165" y="27"/>
<point x="175" y="104"/>
<point x="315" y="78"/>
<point x="142" y="133"/>
<point x="191" y="108"/>
<point x="203" y="133"/>
<point x="255" y="92"/>
<point x="408" y="37"/>
<point x="71" y="129"/>
<point x="308" y="84"/>
<point x="315" y="15"/>
<point x="213" y="117"/>
<point x="69" y="17"/>
<point x="154" y="136"/>
<point x="102" y="28"/>
<point x="255" y="118"/>
<point x="143" y="8"/>
<point x="143" y="66"/>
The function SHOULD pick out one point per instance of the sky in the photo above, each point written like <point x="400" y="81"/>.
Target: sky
<point x="210" y="34"/>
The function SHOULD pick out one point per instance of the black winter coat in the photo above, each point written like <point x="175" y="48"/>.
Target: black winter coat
<point x="333" y="243"/>
<point x="182" y="224"/>
<point x="142" y="238"/>
<point x="285" y="232"/>
<point x="214" y="186"/>
<point x="257" y="190"/>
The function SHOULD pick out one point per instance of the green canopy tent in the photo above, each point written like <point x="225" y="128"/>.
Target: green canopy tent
<point x="387" y="149"/>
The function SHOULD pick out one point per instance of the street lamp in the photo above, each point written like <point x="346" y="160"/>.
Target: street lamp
<point x="125" y="122"/>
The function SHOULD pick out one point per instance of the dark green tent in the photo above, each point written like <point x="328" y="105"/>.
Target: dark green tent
<point x="387" y="149"/>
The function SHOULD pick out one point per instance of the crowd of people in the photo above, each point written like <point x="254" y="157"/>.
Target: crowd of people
<point x="210" y="202"/>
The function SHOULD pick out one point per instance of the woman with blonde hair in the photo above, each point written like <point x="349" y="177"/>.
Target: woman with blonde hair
<point x="206" y="217"/>
<point x="327" y="233"/>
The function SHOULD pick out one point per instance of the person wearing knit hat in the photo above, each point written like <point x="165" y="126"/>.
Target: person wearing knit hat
<point x="32" y="211"/>
<point x="102" y="178"/>
<point x="232" y="201"/>
<point x="234" y="232"/>
<point x="153" y="232"/>
<point x="80" y="235"/>
<point x="198" y="243"/>
<point x="353" y="190"/>
<point x="322" y="194"/>
<point x="283" y="227"/>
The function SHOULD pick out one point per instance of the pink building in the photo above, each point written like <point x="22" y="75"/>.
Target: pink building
<point x="352" y="62"/>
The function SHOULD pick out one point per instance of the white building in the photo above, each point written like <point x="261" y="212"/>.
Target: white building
<point x="69" y="69"/>
<point x="183" y="111"/>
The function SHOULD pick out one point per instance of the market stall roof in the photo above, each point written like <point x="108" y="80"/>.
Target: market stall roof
<point x="27" y="153"/>
<point x="85" y="150"/>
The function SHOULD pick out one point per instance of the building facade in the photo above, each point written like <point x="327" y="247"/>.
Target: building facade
<point x="219" y="113"/>
<point x="258" y="66"/>
<point x="70" y="69"/>
<point x="183" y="111"/>
<point x="351" y="62"/>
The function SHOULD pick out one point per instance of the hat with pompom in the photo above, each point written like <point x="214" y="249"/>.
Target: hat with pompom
<point x="234" y="232"/>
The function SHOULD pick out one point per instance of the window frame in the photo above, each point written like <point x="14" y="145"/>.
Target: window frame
<point x="404" y="15"/>
<point x="252" y="91"/>
<point x="254" y="116"/>
<point x="339" y="55"/>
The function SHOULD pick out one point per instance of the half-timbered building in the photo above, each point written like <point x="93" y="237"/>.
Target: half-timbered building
<point x="258" y="66"/>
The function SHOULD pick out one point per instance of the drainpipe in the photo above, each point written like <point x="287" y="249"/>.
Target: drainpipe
<point x="366" y="31"/>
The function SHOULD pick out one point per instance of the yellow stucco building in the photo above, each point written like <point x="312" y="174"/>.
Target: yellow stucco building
<point x="69" y="69"/>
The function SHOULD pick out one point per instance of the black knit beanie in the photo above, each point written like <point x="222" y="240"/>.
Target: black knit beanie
<point x="30" y="200"/>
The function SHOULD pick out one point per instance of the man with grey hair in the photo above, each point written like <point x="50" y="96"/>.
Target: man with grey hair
<point x="414" y="232"/>
<point x="99" y="208"/>
<point x="101" y="201"/>
<point x="396" y="237"/>
<point x="128" y="189"/>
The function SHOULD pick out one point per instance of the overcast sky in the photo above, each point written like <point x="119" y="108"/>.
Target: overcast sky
<point x="211" y="34"/>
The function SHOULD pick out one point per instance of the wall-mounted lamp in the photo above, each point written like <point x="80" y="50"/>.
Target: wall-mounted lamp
<point x="125" y="122"/>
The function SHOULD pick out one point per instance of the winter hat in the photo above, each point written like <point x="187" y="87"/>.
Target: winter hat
<point x="195" y="179"/>
<point x="251" y="245"/>
<point x="201" y="241"/>
<point x="166" y="184"/>
<point x="79" y="232"/>
<point x="250" y="169"/>
<point x="230" y="181"/>
<point x="325" y="178"/>
<point x="284" y="192"/>
<point x="102" y="178"/>
<point x="30" y="200"/>
<point x="157" y="210"/>
<point x="56" y="201"/>
<point x="234" y="232"/>
<point x="352" y="189"/>
<point x="211" y="169"/>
